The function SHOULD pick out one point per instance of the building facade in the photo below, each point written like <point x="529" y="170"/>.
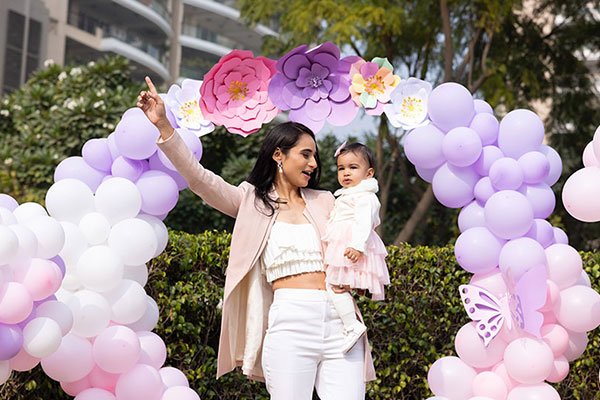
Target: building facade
<point x="164" y="39"/>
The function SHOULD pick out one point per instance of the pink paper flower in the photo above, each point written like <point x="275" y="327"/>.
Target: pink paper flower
<point x="235" y="92"/>
<point x="313" y="85"/>
<point x="372" y="84"/>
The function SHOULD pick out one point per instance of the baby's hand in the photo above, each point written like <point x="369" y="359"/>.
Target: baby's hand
<point x="353" y="254"/>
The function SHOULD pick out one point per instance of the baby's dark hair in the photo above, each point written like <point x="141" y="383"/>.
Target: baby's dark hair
<point x="358" y="149"/>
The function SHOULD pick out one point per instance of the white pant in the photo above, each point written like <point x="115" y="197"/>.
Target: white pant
<point x="302" y="350"/>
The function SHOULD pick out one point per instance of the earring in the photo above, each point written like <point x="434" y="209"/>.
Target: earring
<point x="280" y="167"/>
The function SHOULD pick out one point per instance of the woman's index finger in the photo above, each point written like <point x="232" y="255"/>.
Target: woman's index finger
<point x="151" y="85"/>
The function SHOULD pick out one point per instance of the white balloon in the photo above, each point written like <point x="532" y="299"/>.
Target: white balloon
<point x="7" y="217"/>
<point x="173" y="377"/>
<point x="149" y="320"/>
<point x="9" y="245"/>
<point x="57" y="311"/>
<point x="41" y="337"/>
<point x="134" y="240"/>
<point x="138" y="273"/>
<point x="127" y="301"/>
<point x="162" y="234"/>
<point x="118" y="199"/>
<point x="28" y="244"/>
<point x="71" y="282"/>
<point x="100" y="268"/>
<point x="69" y="200"/>
<point x="75" y="245"/>
<point x="27" y="212"/>
<point x="91" y="313"/>
<point x="63" y="295"/>
<point x="4" y="371"/>
<point x="95" y="228"/>
<point x="50" y="235"/>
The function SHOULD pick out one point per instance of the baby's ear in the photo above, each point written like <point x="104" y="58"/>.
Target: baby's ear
<point x="370" y="172"/>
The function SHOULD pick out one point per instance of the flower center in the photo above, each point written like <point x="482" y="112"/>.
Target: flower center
<point x="374" y="84"/>
<point x="411" y="105"/>
<point x="315" y="81"/>
<point x="238" y="90"/>
<point x="190" y="111"/>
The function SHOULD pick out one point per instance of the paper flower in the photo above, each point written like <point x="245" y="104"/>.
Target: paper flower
<point x="408" y="108"/>
<point x="314" y="86"/>
<point x="184" y="105"/>
<point x="372" y="84"/>
<point x="235" y="92"/>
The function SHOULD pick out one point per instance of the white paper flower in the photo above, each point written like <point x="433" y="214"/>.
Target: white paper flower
<point x="408" y="107"/>
<point x="184" y="103"/>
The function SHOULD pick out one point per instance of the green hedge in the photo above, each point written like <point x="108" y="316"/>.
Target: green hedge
<point x="411" y="330"/>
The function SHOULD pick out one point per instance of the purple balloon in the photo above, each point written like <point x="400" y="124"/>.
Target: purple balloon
<point x="560" y="236"/>
<point x="482" y="106"/>
<point x="535" y="167"/>
<point x="96" y="153"/>
<point x="61" y="264"/>
<point x="426" y="173"/>
<point x="542" y="231"/>
<point x="461" y="146"/>
<point x="453" y="186"/>
<point x="77" y="168"/>
<point x="135" y="135"/>
<point x="508" y="214"/>
<point x="542" y="199"/>
<point x="11" y="341"/>
<point x="489" y="155"/>
<point x="471" y="216"/>
<point x="477" y="250"/>
<point x="8" y="202"/>
<point x="192" y="142"/>
<point x="112" y="146"/>
<point x="156" y="165"/>
<point x="483" y="190"/>
<point x="506" y="174"/>
<point x="555" y="164"/>
<point x="127" y="168"/>
<point x="159" y="192"/>
<point x="450" y="106"/>
<point x="520" y="131"/>
<point x="423" y="147"/>
<point x="486" y="126"/>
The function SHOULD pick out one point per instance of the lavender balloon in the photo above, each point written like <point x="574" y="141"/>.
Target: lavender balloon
<point x="483" y="190"/>
<point x="477" y="250"/>
<point x="542" y="199"/>
<point x="97" y="154"/>
<point x="159" y="192"/>
<point x="8" y="202"/>
<point x="520" y="131"/>
<point x="482" y="106"/>
<point x="77" y="168"/>
<point x="135" y="135"/>
<point x="489" y="155"/>
<point x="129" y="169"/>
<point x="542" y="231"/>
<point x="11" y="341"/>
<point x="555" y="164"/>
<point x="461" y="146"/>
<point x="423" y="147"/>
<point x="508" y="214"/>
<point x="471" y="216"/>
<point x="506" y="174"/>
<point x="535" y="167"/>
<point x="450" y="106"/>
<point x="486" y="126"/>
<point x="453" y="186"/>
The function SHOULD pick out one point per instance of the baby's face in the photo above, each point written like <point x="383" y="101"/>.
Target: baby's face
<point x="352" y="169"/>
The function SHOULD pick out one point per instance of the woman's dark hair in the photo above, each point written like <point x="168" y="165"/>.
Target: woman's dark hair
<point x="360" y="150"/>
<point x="283" y="136"/>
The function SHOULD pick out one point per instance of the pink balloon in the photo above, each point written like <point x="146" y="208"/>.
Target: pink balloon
<point x="556" y="337"/>
<point x="23" y="361"/>
<point x="453" y="186"/>
<point x="74" y="388"/>
<point x="451" y="377"/>
<point x="450" y="105"/>
<point x="423" y="147"/>
<point x="15" y="303"/>
<point x="491" y="281"/>
<point x="180" y="393"/>
<point x="577" y="343"/>
<point x="535" y="167"/>
<point x="477" y="250"/>
<point x="142" y="382"/>
<point x="103" y="380"/>
<point x="71" y="362"/>
<point x="560" y="370"/>
<point x="470" y="348"/>
<point x="538" y="391"/>
<point x="173" y="377"/>
<point x="508" y="214"/>
<point x="528" y="360"/>
<point x="153" y="349"/>
<point x="580" y="194"/>
<point x="117" y="349"/>
<point x="490" y="384"/>
<point x="461" y="146"/>
<point x="552" y="296"/>
<point x="95" y="394"/>
<point x="500" y="370"/>
<point x="489" y="155"/>
<point x="486" y="126"/>
<point x="596" y="143"/>
<point x="564" y="265"/>
<point x="42" y="278"/>
<point x="471" y="216"/>
<point x="506" y="174"/>
<point x="520" y="255"/>
<point x="520" y="131"/>
<point x="578" y="309"/>
<point x="589" y="158"/>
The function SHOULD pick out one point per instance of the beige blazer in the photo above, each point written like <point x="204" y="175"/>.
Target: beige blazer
<point x="247" y="295"/>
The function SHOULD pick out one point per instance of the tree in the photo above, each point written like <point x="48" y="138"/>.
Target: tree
<point x="511" y="52"/>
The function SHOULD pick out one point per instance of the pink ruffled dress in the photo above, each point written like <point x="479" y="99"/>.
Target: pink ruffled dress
<point x="351" y="224"/>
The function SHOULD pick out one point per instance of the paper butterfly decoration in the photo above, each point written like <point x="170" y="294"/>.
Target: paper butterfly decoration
<point x="519" y="305"/>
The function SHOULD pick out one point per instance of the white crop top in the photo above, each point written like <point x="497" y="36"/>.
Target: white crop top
<point x="291" y="249"/>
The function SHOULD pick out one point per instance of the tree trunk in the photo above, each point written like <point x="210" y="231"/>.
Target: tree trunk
<point x="416" y="217"/>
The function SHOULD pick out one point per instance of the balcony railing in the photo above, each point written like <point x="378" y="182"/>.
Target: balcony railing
<point x="159" y="6"/>
<point x="208" y="35"/>
<point x="95" y="27"/>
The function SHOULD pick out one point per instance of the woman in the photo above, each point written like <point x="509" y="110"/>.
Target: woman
<point x="277" y="323"/>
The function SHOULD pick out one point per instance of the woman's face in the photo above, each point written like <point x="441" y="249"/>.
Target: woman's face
<point x="299" y="163"/>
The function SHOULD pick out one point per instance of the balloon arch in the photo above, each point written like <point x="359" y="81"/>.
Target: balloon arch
<point x="72" y="275"/>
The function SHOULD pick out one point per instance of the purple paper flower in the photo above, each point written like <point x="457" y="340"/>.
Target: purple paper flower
<point x="314" y="86"/>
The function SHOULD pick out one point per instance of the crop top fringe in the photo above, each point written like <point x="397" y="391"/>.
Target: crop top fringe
<point x="291" y="249"/>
